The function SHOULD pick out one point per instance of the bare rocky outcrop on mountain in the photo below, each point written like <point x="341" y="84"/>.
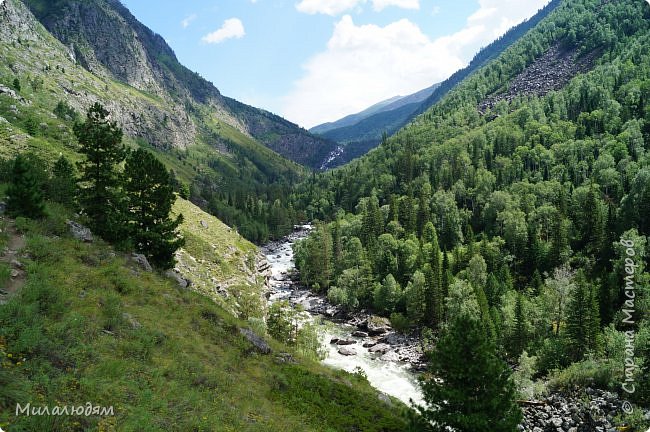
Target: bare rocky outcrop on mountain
<point x="171" y="104"/>
<point x="549" y="72"/>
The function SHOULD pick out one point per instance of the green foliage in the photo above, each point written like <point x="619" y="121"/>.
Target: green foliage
<point x="24" y="197"/>
<point x="279" y="323"/>
<point x="100" y="196"/>
<point x="16" y="84"/>
<point x="65" y="112"/>
<point x="150" y="196"/>
<point x="479" y="396"/>
<point x="62" y="187"/>
<point x="399" y="322"/>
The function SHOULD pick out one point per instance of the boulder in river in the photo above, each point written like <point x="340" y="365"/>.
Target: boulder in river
<point x="377" y="325"/>
<point x="369" y="344"/>
<point x="334" y="340"/>
<point x="347" y="351"/>
<point x="346" y="342"/>
<point x="359" y="333"/>
<point x="380" y="348"/>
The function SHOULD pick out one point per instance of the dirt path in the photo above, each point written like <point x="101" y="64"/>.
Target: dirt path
<point x="11" y="256"/>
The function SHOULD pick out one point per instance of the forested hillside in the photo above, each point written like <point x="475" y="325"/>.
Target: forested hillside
<point x="365" y="132"/>
<point x="527" y="213"/>
<point x="45" y="86"/>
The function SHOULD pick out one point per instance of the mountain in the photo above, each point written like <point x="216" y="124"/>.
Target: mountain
<point x="383" y="106"/>
<point x="360" y="133"/>
<point x="516" y="199"/>
<point x="216" y="146"/>
<point x="486" y="54"/>
<point x="106" y="39"/>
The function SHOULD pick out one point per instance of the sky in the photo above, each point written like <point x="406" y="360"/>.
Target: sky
<point x="315" y="61"/>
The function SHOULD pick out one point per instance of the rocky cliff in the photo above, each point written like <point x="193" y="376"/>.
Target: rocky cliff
<point x="103" y="37"/>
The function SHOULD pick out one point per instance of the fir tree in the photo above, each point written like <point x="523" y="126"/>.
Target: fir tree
<point x="24" y="197"/>
<point x="16" y="84"/>
<point x="474" y="391"/>
<point x="151" y="196"/>
<point x="100" y="197"/>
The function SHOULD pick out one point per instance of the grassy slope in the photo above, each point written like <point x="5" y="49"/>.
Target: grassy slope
<point x="175" y="362"/>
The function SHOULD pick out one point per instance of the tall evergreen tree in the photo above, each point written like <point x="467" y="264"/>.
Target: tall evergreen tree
<point x="151" y="196"/>
<point x="62" y="187"/>
<point x="434" y="296"/>
<point x="582" y="319"/>
<point x="101" y="197"/>
<point x="24" y="197"/>
<point x="474" y="391"/>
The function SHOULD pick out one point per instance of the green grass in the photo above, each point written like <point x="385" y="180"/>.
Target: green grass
<point x="175" y="362"/>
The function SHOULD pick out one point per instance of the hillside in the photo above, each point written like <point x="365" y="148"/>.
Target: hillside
<point x="90" y="325"/>
<point x="358" y="134"/>
<point x="106" y="39"/>
<point x="185" y="120"/>
<point x="515" y="199"/>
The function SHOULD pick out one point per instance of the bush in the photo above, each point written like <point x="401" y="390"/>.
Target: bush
<point x="587" y="373"/>
<point x="399" y="322"/>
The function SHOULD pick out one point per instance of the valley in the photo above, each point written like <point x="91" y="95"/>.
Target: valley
<point x="461" y="258"/>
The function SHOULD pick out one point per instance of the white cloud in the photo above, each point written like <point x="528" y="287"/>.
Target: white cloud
<point x="365" y="64"/>
<point x="379" y="5"/>
<point x="336" y="7"/>
<point x="188" y="20"/>
<point x="327" y="7"/>
<point x="231" y="28"/>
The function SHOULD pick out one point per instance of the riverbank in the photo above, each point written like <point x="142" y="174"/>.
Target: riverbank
<point x="358" y="342"/>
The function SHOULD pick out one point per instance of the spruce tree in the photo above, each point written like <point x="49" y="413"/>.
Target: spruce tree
<point x="151" y="196"/>
<point x="583" y="319"/>
<point x="24" y="197"/>
<point x="100" y="197"/>
<point x="470" y="388"/>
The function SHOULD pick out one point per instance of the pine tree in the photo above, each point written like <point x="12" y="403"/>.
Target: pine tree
<point x="101" y="197"/>
<point x="474" y="391"/>
<point x="62" y="188"/>
<point x="151" y="196"/>
<point x="434" y="296"/>
<point x="24" y="197"/>
<point x="16" y="84"/>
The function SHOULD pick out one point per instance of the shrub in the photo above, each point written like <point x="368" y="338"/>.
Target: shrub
<point x="399" y="322"/>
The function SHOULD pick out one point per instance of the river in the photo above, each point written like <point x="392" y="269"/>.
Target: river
<point x="391" y="377"/>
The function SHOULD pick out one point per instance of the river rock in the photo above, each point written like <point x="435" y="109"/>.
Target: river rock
<point x="346" y="342"/>
<point x="390" y="356"/>
<point x="360" y="334"/>
<point x="377" y="325"/>
<point x="369" y="344"/>
<point x="380" y="348"/>
<point x="334" y="340"/>
<point x="347" y="351"/>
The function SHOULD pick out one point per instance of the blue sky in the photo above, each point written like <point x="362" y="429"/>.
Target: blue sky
<point x="313" y="61"/>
